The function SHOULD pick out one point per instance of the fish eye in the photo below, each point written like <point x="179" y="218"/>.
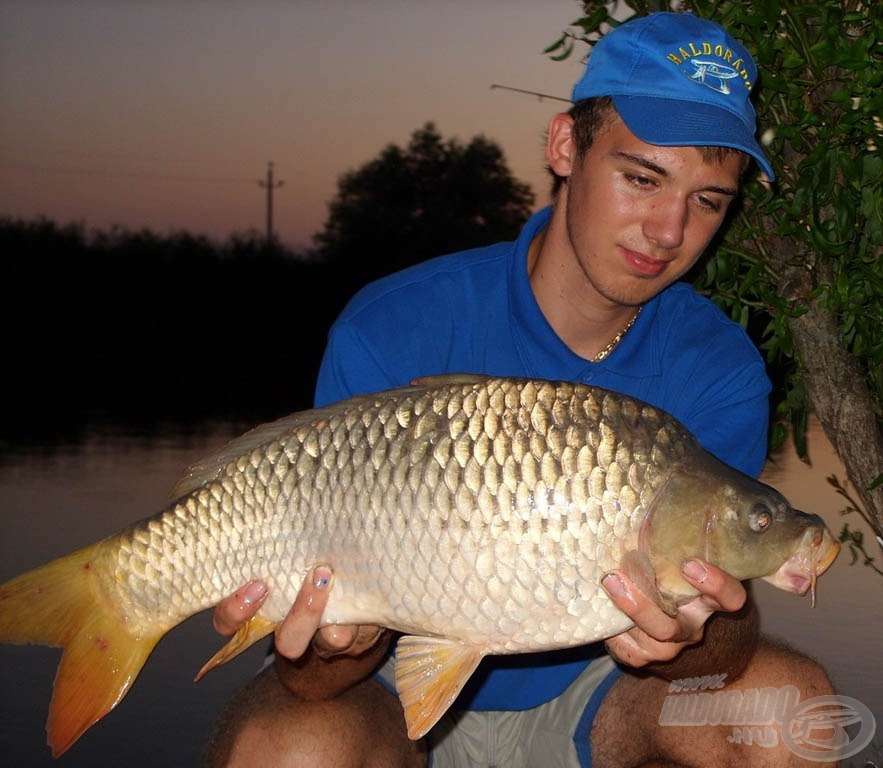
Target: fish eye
<point x="760" y="518"/>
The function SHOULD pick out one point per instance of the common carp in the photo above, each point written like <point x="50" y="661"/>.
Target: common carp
<point x="474" y="515"/>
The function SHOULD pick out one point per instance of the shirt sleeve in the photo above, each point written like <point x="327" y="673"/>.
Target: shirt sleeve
<point x="349" y="367"/>
<point x="731" y="420"/>
<point x="713" y="379"/>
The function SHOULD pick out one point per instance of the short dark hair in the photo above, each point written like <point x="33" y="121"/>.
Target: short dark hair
<point x="591" y="115"/>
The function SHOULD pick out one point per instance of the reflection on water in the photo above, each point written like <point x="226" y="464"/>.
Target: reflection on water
<point x="54" y="501"/>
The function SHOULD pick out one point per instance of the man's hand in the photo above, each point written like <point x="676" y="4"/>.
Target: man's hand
<point x="658" y="637"/>
<point x="232" y="612"/>
<point x="300" y="627"/>
<point x="313" y="663"/>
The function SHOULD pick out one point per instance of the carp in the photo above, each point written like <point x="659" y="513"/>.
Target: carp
<point x="474" y="515"/>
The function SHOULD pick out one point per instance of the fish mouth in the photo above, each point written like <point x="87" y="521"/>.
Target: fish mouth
<point x="814" y="555"/>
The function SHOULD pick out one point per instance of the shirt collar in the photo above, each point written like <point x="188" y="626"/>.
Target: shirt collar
<point x="542" y="351"/>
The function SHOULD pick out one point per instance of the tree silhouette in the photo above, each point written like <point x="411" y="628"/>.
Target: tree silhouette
<point x="430" y="198"/>
<point x="143" y="329"/>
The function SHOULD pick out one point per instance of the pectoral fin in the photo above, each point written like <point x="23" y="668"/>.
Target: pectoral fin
<point x="247" y="635"/>
<point x="430" y="673"/>
<point x="637" y="566"/>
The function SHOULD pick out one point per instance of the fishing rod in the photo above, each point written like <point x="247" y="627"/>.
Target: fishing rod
<point x="539" y="95"/>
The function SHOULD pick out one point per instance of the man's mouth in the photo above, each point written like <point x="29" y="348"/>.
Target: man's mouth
<point x="643" y="264"/>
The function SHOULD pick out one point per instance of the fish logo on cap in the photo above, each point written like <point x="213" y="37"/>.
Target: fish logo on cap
<point x="713" y="60"/>
<point x="706" y="70"/>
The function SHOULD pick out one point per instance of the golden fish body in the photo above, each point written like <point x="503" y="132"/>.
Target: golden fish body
<point x="482" y="513"/>
<point x="475" y="515"/>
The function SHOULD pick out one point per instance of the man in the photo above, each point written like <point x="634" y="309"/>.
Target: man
<point x="648" y="162"/>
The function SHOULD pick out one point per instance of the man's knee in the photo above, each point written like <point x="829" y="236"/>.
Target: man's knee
<point x="305" y="735"/>
<point x="747" y="732"/>
<point x="639" y="721"/>
<point x="265" y="724"/>
<point x="776" y="664"/>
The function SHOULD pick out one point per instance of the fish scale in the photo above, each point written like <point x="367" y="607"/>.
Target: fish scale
<point x="475" y="515"/>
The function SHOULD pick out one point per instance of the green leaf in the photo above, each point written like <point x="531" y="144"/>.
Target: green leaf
<point x="557" y="45"/>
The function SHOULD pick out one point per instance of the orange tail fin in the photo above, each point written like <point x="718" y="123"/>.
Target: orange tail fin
<point x="59" y="604"/>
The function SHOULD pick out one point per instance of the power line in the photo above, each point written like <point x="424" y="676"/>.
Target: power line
<point x="121" y="174"/>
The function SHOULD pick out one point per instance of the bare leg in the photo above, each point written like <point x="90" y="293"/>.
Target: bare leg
<point x="265" y="724"/>
<point x="626" y="730"/>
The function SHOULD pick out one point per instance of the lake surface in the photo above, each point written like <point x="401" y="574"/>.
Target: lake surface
<point x="55" y="500"/>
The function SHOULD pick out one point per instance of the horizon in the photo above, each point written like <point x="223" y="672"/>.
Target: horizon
<point x="165" y="116"/>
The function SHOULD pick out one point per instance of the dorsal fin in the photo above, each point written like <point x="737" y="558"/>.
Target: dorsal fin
<point x="209" y="468"/>
<point x="446" y="379"/>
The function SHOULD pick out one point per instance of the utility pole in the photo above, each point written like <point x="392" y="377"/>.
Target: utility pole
<point x="270" y="185"/>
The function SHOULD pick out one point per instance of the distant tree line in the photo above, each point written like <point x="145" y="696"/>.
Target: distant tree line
<point x="145" y="330"/>
<point x="129" y="327"/>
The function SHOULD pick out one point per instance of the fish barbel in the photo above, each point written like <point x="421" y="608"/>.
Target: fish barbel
<point x="475" y="515"/>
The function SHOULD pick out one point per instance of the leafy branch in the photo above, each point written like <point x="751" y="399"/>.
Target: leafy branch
<point x="855" y="539"/>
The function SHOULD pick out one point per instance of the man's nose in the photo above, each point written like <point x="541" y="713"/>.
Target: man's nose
<point x="666" y="222"/>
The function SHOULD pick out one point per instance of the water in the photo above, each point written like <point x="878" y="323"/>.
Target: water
<point x="53" y="502"/>
<point x="56" y="500"/>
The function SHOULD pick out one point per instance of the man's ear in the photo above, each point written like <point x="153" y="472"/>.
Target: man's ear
<point x="560" y="148"/>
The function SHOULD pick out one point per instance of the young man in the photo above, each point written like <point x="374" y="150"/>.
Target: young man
<point x="648" y="161"/>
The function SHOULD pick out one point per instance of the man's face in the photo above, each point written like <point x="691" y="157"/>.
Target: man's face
<point x="638" y="216"/>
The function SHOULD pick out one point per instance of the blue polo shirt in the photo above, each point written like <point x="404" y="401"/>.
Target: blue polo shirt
<point x="475" y="312"/>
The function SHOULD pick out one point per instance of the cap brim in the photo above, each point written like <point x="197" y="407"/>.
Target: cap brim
<point x="672" y="122"/>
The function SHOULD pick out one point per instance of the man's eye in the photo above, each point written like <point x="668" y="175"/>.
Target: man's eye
<point x="709" y="203"/>
<point x="638" y="181"/>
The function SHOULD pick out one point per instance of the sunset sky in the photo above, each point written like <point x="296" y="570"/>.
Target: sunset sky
<point x="164" y="114"/>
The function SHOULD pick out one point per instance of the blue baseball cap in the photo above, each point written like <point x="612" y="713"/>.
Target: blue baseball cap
<point x="677" y="80"/>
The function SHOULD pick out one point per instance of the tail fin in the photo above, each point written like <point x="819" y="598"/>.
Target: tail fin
<point x="59" y="604"/>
